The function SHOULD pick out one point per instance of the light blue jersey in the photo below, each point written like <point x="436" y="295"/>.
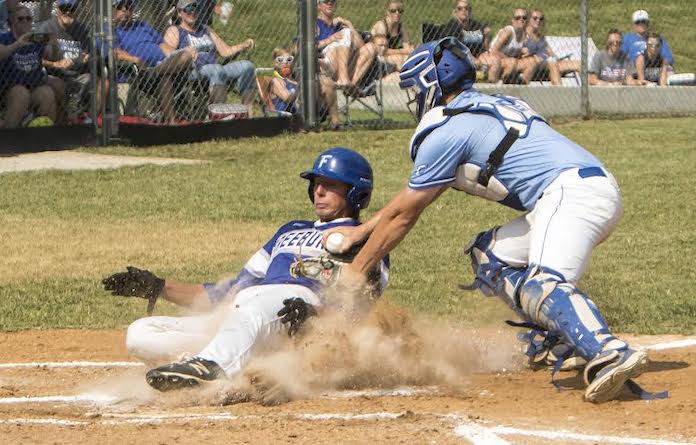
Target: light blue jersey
<point x="271" y="264"/>
<point x="452" y="150"/>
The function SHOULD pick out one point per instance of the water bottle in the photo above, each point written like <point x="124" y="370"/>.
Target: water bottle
<point x="225" y="12"/>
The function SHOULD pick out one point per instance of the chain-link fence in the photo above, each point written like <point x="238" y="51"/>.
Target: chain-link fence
<point x="182" y="61"/>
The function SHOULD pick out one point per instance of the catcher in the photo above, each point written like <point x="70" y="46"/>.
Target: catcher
<point x="283" y="283"/>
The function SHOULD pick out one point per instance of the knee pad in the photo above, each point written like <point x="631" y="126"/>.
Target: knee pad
<point x="561" y="308"/>
<point x="491" y="275"/>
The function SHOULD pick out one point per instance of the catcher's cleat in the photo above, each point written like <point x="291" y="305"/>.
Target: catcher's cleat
<point x="184" y="374"/>
<point x="607" y="373"/>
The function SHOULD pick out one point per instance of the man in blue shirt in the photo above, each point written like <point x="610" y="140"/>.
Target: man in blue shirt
<point x="137" y="42"/>
<point x="498" y="148"/>
<point x="340" y="185"/>
<point x="634" y="43"/>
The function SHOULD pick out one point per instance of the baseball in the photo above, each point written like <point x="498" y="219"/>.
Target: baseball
<point x="333" y="242"/>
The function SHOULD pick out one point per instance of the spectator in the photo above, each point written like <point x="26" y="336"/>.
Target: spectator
<point x="137" y="42"/>
<point x="377" y="66"/>
<point x="611" y="66"/>
<point x="509" y="46"/>
<point x="475" y="35"/>
<point x="207" y="45"/>
<point x="337" y="42"/>
<point x="23" y="83"/>
<point x="40" y="9"/>
<point x="4" y="16"/>
<point x="72" y="58"/>
<point x="399" y="45"/>
<point x="283" y="86"/>
<point x="541" y="51"/>
<point x="651" y="68"/>
<point x="634" y="42"/>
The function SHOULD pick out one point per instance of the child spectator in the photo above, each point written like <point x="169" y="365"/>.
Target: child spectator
<point x="651" y="68"/>
<point x="283" y="86"/>
<point x="611" y="66"/>
<point x="542" y="52"/>
<point x="23" y="82"/>
<point x="207" y="45"/>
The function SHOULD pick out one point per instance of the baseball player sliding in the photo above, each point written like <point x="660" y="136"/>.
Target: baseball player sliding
<point x="284" y="282"/>
<point x="498" y="148"/>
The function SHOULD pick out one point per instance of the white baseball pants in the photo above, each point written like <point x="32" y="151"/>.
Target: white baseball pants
<point x="228" y="336"/>
<point x="574" y="215"/>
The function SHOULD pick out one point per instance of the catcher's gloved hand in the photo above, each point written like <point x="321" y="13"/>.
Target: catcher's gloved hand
<point x="135" y="283"/>
<point x="294" y="313"/>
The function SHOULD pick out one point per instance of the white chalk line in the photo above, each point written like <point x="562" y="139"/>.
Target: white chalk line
<point x="554" y="435"/>
<point x="107" y="399"/>
<point x="81" y="364"/>
<point x="685" y="343"/>
<point x="475" y="432"/>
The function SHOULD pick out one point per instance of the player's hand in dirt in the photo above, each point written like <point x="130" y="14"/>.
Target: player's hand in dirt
<point x="134" y="283"/>
<point x="294" y="313"/>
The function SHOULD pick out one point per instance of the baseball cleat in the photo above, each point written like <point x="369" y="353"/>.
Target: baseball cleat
<point x="184" y="374"/>
<point x="607" y="373"/>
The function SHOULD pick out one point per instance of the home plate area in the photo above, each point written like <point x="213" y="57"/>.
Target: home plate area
<point x="69" y="392"/>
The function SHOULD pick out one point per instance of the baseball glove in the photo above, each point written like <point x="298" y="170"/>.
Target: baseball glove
<point x="324" y="268"/>
<point x="135" y="283"/>
<point x="294" y="313"/>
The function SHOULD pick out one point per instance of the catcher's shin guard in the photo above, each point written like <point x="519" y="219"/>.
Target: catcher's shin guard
<point x="492" y="276"/>
<point x="554" y="304"/>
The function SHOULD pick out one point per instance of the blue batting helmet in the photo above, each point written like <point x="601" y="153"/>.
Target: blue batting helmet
<point x="347" y="166"/>
<point x="436" y="68"/>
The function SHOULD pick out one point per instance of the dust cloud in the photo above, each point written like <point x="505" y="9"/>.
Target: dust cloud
<point x="389" y="348"/>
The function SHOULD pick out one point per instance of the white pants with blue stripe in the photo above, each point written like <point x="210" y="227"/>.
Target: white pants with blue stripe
<point x="574" y="215"/>
<point x="229" y="336"/>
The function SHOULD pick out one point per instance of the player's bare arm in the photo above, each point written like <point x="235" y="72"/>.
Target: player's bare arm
<point x="188" y="295"/>
<point x="394" y="222"/>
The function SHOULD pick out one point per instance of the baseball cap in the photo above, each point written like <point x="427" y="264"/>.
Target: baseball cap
<point x="640" y="15"/>
<point x="68" y="2"/>
<point x="120" y="2"/>
<point x="181" y="4"/>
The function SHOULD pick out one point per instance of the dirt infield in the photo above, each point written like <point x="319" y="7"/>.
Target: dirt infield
<point x="75" y="160"/>
<point x="93" y="402"/>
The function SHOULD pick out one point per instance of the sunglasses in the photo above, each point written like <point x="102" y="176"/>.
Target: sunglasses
<point x="641" y="22"/>
<point x="653" y="45"/>
<point x="520" y="17"/>
<point x="394" y="11"/>
<point x="284" y="59"/>
<point x="463" y="8"/>
<point x="614" y="42"/>
<point x="67" y="9"/>
<point x="540" y="18"/>
<point x="191" y="9"/>
<point x="25" y="18"/>
<point x="330" y="2"/>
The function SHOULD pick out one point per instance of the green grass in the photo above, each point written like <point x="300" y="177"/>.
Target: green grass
<point x="61" y="232"/>
<point x="273" y="23"/>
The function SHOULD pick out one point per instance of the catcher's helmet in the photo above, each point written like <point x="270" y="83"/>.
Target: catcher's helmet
<point x="347" y="166"/>
<point x="436" y="68"/>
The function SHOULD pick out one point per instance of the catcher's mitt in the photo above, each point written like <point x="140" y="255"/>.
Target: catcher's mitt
<point x="135" y="283"/>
